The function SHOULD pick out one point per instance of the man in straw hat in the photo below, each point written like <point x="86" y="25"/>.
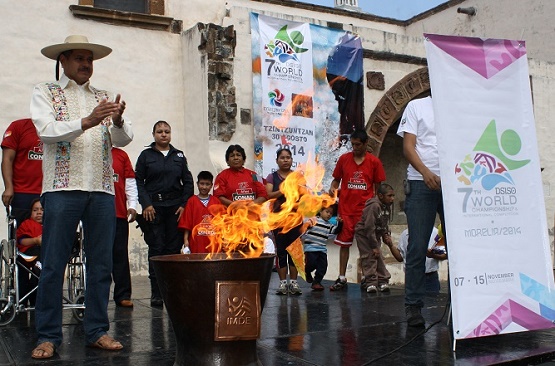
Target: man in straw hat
<point x="78" y="125"/>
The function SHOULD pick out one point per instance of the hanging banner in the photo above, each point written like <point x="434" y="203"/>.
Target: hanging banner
<point x="501" y="277"/>
<point x="307" y="91"/>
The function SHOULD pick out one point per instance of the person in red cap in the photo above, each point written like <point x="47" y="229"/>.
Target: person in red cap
<point x="78" y="125"/>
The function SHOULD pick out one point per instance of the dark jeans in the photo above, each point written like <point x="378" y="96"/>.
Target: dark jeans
<point x="62" y="212"/>
<point x="162" y="238"/>
<point x="120" y="271"/>
<point x="316" y="261"/>
<point x="421" y="207"/>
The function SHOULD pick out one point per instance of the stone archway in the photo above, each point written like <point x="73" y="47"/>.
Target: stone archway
<point x="383" y="139"/>
<point x="390" y="108"/>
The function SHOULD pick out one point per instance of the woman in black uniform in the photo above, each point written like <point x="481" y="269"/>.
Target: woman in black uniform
<point x="165" y="184"/>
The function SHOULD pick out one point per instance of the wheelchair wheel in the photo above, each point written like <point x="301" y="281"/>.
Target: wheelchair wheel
<point x="7" y="312"/>
<point x="3" y="266"/>
<point x="79" y="314"/>
<point x="75" y="281"/>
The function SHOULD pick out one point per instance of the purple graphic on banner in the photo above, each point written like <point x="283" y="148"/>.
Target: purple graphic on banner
<point x="485" y="56"/>
<point x="510" y="312"/>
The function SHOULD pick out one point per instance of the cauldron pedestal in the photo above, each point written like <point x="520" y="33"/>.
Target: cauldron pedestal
<point x="215" y="305"/>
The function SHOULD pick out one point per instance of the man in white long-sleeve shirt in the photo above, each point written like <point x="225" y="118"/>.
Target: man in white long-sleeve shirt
<point x="78" y="125"/>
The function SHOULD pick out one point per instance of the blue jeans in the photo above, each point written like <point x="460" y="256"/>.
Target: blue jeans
<point x="62" y="212"/>
<point x="421" y="206"/>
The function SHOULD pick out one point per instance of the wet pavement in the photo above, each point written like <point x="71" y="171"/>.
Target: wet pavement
<point x="348" y="328"/>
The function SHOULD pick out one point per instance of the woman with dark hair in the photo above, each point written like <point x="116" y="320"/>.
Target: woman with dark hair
<point x="238" y="183"/>
<point x="284" y="162"/>
<point x="164" y="183"/>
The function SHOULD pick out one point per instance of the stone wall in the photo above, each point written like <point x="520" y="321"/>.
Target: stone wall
<point x="218" y="45"/>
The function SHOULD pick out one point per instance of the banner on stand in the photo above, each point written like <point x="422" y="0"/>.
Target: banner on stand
<point x="307" y="91"/>
<point x="501" y="277"/>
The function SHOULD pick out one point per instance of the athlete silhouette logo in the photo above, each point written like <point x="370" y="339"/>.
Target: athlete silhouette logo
<point x="491" y="161"/>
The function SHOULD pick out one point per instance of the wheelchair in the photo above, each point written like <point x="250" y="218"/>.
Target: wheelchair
<point x="12" y="262"/>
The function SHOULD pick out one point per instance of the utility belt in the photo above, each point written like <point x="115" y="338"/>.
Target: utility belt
<point x="431" y="273"/>
<point x="160" y="197"/>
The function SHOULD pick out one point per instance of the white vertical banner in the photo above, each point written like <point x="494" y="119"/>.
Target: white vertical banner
<point x="287" y="89"/>
<point x="501" y="276"/>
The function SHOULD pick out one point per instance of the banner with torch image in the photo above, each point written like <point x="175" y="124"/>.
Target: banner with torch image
<point x="307" y="91"/>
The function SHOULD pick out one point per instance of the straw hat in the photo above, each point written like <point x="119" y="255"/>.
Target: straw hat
<point x="76" y="42"/>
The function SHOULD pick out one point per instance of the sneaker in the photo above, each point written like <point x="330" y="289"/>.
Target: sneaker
<point x="338" y="285"/>
<point x="316" y="286"/>
<point x="371" y="289"/>
<point x="309" y="277"/>
<point x="294" y="289"/>
<point x="282" y="289"/>
<point x="414" y="317"/>
<point x="384" y="287"/>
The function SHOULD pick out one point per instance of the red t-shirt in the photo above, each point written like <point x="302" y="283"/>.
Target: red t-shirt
<point x="196" y="214"/>
<point x="122" y="170"/>
<point x="28" y="229"/>
<point x="357" y="182"/>
<point x="237" y="185"/>
<point x="21" y="136"/>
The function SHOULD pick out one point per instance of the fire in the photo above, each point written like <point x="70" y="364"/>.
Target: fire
<point x="240" y="228"/>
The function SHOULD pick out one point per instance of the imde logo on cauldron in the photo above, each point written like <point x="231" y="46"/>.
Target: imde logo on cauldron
<point x="237" y="310"/>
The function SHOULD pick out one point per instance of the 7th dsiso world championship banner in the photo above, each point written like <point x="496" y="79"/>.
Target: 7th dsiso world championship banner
<point x="501" y="276"/>
<point x="307" y="91"/>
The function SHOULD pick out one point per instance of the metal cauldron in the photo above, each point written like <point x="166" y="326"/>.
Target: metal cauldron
<point x="215" y="305"/>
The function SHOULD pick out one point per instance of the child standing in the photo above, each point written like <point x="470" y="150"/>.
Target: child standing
<point x="369" y="231"/>
<point x="29" y="240"/>
<point x="436" y="253"/>
<point x="195" y="221"/>
<point x="315" y="251"/>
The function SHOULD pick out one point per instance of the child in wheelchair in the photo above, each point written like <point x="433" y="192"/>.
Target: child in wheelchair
<point x="29" y="239"/>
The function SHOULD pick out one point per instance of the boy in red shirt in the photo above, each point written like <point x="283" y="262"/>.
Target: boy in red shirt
<point x="195" y="221"/>
<point x="354" y="177"/>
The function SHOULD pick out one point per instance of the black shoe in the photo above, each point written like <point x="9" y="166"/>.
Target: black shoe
<point x="309" y="277"/>
<point x="414" y="317"/>
<point x="156" y="301"/>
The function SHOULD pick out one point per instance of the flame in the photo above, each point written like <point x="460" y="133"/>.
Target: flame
<point x="240" y="227"/>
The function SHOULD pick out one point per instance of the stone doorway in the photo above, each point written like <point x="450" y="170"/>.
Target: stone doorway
<point x="382" y="128"/>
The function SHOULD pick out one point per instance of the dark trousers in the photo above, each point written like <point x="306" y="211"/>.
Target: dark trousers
<point x="316" y="261"/>
<point x="120" y="270"/>
<point x="432" y="283"/>
<point x="282" y="241"/>
<point x="162" y="238"/>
